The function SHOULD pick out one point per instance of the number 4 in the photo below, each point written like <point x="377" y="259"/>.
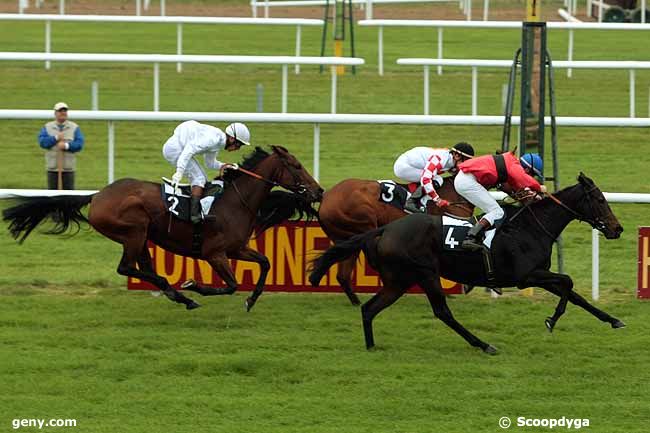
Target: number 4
<point x="449" y="240"/>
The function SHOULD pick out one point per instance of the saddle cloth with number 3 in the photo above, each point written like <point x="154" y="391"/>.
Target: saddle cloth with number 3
<point x="454" y="231"/>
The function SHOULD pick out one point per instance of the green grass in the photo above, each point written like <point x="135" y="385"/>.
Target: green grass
<point x="75" y="344"/>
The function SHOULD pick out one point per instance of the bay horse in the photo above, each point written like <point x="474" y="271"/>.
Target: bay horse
<point x="131" y="212"/>
<point x="352" y="207"/>
<point x="409" y="251"/>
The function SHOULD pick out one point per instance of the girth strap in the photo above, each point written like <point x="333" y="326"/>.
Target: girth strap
<point x="502" y="171"/>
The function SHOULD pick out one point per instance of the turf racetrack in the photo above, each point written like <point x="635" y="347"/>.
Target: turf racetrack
<point x="75" y="344"/>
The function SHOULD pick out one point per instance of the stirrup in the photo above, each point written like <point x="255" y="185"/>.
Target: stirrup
<point x="412" y="207"/>
<point x="472" y="244"/>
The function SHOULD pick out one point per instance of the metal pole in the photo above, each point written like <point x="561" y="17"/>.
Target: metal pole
<point x="94" y="95"/>
<point x="156" y="86"/>
<point x="298" y="38"/>
<point x="368" y="9"/>
<point x="595" y="247"/>
<point x="439" y="49"/>
<point x="632" y="94"/>
<point x="333" y="103"/>
<point x="285" y="80"/>
<point x="62" y="7"/>
<point x="48" y="41"/>
<point x="111" y="152"/>
<point x="426" y="90"/>
<point x="138" y="6"/>
<point x="179" y="45"/>
<point x="380" y="54"/>
<point x="504" y="97"/>
<point x="570" y="54"/>
<point x="316" y="168"/>
<point x="162" y="8"/>
<point x="474" y="90"/>
<point x="486" y="8"/>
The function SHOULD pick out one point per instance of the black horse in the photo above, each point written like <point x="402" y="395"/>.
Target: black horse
<point x="409" y="251"/>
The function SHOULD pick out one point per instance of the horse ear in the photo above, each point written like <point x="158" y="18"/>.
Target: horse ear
<point x="582" y="178"/>
<point x="279" y="149"/>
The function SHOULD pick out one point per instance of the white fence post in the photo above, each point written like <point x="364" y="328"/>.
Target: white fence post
<point x="595" y="265"/>
<point x="474" y="90"/>
<point x="426" y="90"/>
<point x="266" y="8"/>
<point x="62" y="7"/>
<point x="48" y="41"/>
<point x="285" y="81"/>
<point x="380" y="54"/>
<point x="162" y="8"/>
<point x="368" y="9"/>
<point x="570" y="54"/>
<point x="600" y="11"/>
<point x="94" y="95"/>
<point x="632" y="94"/>
<point x="643" y="11"/>
<point x="156" y="86"/>
<point x="111" y="151"/>
<point x="469" y="10"/>
<point x="298" y="39"/>
<point x="21" y="6"/>
<point x="138" y="6"/>
<point x="486" y="9"/>
<point x="439" y="49"/>
<point x="333" y="102"/>
<point x="179" y="45"/>
<point x="316" y="168"/>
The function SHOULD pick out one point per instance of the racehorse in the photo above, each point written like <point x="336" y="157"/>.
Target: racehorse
<point x="409" y="251"/>
<point x="352" y="207"/>
<point x="131" y="211"/>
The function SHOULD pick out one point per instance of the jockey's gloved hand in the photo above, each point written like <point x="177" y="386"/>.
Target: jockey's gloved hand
<point x="176" y="178"/>
<point x="441" y="202"/>
<point x="232" y="166"/>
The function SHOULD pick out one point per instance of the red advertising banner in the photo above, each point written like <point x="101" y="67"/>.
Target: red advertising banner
<point x="643" y="287"/>
<point x="290" y="247"/>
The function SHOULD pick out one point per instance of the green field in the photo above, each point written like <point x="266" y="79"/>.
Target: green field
<point x="75" y="344"/>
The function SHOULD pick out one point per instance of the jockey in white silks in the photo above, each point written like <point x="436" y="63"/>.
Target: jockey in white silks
<point x="424" y="165"/>
<point x="192" y="139"/>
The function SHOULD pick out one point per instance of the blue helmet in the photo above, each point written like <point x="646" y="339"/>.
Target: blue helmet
<point x="534" y="162"/>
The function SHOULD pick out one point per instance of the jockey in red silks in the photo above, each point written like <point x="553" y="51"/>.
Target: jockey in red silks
<point x="424" y="165"/>
<point x="504" y="171"/>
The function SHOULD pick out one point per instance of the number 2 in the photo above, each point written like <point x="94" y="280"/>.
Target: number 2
<point x="388" y="195"/>
<point x="174" y="201"/>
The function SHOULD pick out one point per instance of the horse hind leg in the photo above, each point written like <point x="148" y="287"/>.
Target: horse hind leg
<point x="133" y="254"/>
<point x="344" y="277"/>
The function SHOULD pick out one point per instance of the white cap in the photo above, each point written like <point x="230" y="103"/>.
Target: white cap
<point x="239" y="132"/>
<point x="60" y="105"/>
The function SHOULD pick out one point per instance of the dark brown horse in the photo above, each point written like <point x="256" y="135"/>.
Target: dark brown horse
<point x="352" y="207"/>
<point x="131" y="211"/>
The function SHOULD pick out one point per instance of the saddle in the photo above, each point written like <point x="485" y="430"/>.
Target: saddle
<point x="178" y="202"/>
<point x="394" y="194"/>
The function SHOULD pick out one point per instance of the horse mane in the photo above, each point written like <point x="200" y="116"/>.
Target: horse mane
<point x="249" y="162"/>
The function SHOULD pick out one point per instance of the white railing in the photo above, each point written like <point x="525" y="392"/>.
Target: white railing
<point x="178" y="20"/>
<point x="465" y="5"/>
<point x="631" y="66"/>
<point x="24" y="4"/>
<point x="156" y="59"/>
<point x="595" y="242"/>
<point x="316" y="119"/>
<point x="441" y="24"/>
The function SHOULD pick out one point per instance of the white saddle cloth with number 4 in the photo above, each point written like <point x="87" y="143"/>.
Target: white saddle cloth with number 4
<point x="454" y="231"/>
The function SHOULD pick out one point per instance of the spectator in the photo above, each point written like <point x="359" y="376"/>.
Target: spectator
<point x="62" y="139"/>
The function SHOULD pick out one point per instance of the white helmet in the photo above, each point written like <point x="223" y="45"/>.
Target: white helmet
<point x="239" y="132"/>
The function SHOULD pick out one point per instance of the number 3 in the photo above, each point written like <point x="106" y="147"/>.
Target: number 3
<point x="388" y="195"/>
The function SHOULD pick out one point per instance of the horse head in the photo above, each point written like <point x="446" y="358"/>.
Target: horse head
<point x="594" y="209"/>
<point x="292" y="175"/>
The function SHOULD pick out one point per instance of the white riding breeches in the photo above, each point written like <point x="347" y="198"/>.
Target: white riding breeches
<point x="172" y="151"/>
<point x="467" y="186"/>
<point x="404" y="170"/>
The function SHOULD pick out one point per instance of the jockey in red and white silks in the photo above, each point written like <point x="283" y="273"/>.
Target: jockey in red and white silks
<point x="424" y="165"/>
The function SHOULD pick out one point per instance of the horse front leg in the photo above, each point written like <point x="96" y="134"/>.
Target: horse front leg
<point x="559" y="284"/>
<point x="250" y="255"/>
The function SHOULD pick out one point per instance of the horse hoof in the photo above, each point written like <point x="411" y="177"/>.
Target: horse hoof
<point x="249" y="304"/>
<point x="617" y="324"/>
<point x="356" y="302"/>
<point x="189" y="284"/>
<point x="497" y="290"/>
<point x="490" y="350"/>
<point x="192" y="305"/>
<point x="467" y="288"/>
<point x="550" y="324"/>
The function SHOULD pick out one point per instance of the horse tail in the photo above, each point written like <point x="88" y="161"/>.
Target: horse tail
<point x="341" y="251"/>
<point x="64" y="211"/>
<point x="281" y="206"/>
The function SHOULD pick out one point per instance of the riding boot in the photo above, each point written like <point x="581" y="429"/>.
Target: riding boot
<point x="414" y="203"/>
<point x="474" y="239"/>
<point x="195" y="208"/>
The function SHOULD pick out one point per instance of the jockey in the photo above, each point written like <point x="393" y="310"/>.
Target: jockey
<point x="424" y="165"/>
<point x="479" y="174"/>
<point x="192" y="139"/>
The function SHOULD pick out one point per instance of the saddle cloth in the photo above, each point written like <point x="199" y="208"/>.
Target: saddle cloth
<point x="179" y="203"/>
<point x="393" y="193"/>
<point x="454" y="231"/>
